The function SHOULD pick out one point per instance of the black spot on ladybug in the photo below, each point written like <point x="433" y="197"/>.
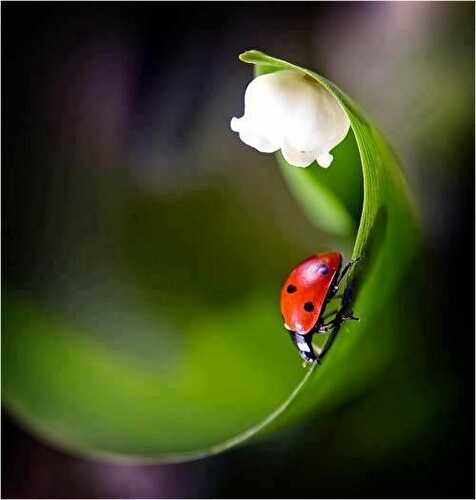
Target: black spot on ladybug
<point x="291" y="289"/>
<point x="309" y="307"/>
<point x="323" y="269"/>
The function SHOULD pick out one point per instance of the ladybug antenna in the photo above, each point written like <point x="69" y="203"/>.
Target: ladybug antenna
<point x="303" y="344"/>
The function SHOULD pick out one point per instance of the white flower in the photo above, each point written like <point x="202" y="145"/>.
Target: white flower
<point x="289" y="111"/>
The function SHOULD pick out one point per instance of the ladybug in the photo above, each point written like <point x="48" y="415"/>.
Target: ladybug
<point x="304" y="296"/>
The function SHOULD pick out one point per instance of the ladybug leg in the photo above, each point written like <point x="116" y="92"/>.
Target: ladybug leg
<point x="336" y="322"/>
<point x="349" y="316"/>
<point x="344" y="272"/>
<point x="328" y="327"/>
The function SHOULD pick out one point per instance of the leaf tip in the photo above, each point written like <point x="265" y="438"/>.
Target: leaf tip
<point x="252" y="56"/>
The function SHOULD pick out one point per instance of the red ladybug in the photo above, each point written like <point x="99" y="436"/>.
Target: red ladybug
<point x="305" y="295"/>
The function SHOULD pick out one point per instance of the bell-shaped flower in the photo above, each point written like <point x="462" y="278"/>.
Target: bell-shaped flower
<point x="290" y="111"/>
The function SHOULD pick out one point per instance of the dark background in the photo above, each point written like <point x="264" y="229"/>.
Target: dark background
<point x="354" y="44"/>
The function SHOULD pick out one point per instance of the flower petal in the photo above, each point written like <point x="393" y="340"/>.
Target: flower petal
<point x="248" y="136"/>
<point x="287" y="110"/>
<point x="298" y="158"/>
<point x="324" y="160"/>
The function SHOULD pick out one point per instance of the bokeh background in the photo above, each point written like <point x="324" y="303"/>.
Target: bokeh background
<point x="127" y="199"/>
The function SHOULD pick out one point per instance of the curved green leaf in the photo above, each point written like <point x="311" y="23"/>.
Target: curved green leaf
<point x="386" y="241"/>
<point x="110" y="369"/>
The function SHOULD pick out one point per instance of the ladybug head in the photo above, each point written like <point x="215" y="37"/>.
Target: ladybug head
<point x="304" y="346"/>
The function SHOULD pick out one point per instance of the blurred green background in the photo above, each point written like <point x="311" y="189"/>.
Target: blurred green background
<point x="144" y="247"/>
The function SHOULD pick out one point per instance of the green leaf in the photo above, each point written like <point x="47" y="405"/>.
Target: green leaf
<point x="386" y="242"/>
<point x="141" y="358"/>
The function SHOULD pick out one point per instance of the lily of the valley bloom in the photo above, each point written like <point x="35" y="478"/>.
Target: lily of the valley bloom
<point x="289" y="111"/>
